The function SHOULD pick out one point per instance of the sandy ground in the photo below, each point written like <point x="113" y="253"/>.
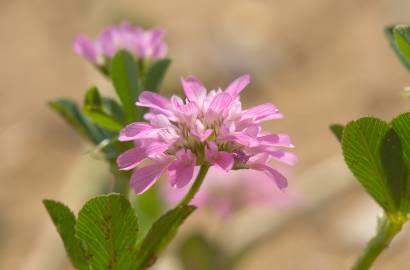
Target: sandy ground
<point x="319" y="61"/>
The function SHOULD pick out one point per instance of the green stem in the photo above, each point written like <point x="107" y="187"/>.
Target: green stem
<point x="388" y="228"/>
<point x="195" y="186"/>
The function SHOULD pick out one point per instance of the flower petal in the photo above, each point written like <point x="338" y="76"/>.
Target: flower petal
<point x="252" y="130"/>
<point x="224" y="160"/>
<point x="219" y="104"/>
<point x="261" y="113"/>
<point x="276" y="140"/>
<point x="181" y="171"/>
<point x="131" y="158"/>
<point x="109" y="41"/>
<point x="284" y="156"/>
<point x="242" y="139"/>
<point x="221" y="159"/>
<point x="194" y="89"/>
<point x="132" y="130"/>
<point x="238" y="85"/>
<point x="145" y="177"/>
<point x="276" y="176"/>
<point x="154" y="101"/>
<point x="85" y="48"/>
<point x="180" y="174"/>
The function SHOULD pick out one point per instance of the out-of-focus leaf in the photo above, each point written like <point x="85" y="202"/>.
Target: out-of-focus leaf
<point x="160" y="234"/>
<point x="399" y="43"/>
<point x="361" y="144"/>
<point x="394" y="166"/>
<point x="197" y="252"/>
<point x="108" y="227"/>
<point x="112" y="107"/>
<point x="93" y="108"/>
<point x="64" y="221"/>
<point x="73" y="115"/>
<point x="402" y="37"/>
<point x="93" y="97"/>
<point x="105" y="69"/>
<point x="156" y="74"/>
<point x="337" y="130"/>
<point x="124" y="75"/>
<point x="401" y="124"/>
<point x="103" y="120"/>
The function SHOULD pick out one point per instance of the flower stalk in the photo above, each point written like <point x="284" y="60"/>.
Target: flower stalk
<point x="388" y="228"/>
<point x="195" y="186"/>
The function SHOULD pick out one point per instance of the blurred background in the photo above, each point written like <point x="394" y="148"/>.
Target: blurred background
<point x="319" y="61"/>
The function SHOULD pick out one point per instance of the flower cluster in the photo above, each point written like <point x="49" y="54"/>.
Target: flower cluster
<point x="208" y="128"/>
<point x="141" y="43"/>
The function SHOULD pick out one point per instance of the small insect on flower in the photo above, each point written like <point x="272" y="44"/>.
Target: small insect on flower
<point x="142" y="44"/>
<point x="206" y="128"/>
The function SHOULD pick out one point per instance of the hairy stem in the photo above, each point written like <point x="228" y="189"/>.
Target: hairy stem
<point x="387" y="230"/>
<point x="195" y="186"/>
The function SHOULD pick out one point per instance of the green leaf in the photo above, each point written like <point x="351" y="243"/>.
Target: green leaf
<point x="398" y="43"/>
<point x="112" y="107"/>
<point x="401" y="124"/>
<point x="73" y="115"/>
<point x="94" y="111"/>
<point x="402" y="37"/>
<point x="124" y="75"/>
<point x="103" y="120"/>
<point x="160" y="234"/>
<point x="156" y="74"/>
<point x="337" y="130"/>
<point x="197" y="252"/>
<point x="394" y="166"/>
<point x="93" y="97"/>
<point x="108" y="227"/>
<point x="64" y="221"/>
<point x="361" y="144"/>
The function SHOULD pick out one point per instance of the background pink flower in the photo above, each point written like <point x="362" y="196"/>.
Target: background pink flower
<point x="227" y="193"/>
<point x="141" y="43"/>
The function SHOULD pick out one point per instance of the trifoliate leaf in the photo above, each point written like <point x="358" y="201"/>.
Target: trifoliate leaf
<point x="108" y="227"/>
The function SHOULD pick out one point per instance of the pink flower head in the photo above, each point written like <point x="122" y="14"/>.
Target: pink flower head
<point x="141" y="43"/>
<point x="206" y="128"/>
